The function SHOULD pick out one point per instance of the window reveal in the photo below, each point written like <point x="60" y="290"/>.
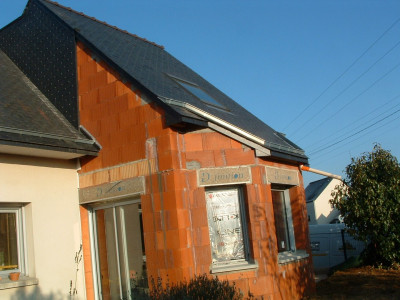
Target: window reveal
<point x="225" y="225"/>
<point x="283" y="221"/>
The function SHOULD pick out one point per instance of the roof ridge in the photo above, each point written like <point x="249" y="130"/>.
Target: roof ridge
<point x="104" y="23"/>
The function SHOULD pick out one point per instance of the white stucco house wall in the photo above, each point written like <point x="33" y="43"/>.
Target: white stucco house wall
<point x="318" y="194"/>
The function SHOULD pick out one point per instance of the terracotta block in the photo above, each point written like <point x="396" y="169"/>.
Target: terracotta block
<point x="167" y="142"/>
<point x="112" y="157"/>
<point x="109" y="125"/>
<point x="242" y="285"/>
<point x="161" y="243"/>
<point x="262" y="286"/>
<point x="173" y="199"/>
<point x="111" y="77"/>
<point x="187" y="273"/>
<point x="98" y="80"/>
<point x="191" y="179"/>
<point x="87" y="69"/>
<point x="107" y="92"/>
<point x="114" y="174"/>
<point x="176" y="238"/>
<point x="237" y="157"/>
<point x="183" y="257"/>
<point x="100" y="177"/>
<point x="219" y="158"/>
<point x="203" y="256"/>
<point x="122" y="88"/>
<point x="100" y="66"/>
<point x="174" y="180"/>
<point x="148" y="222"/>
<point x="81" y="56"/>
<point x="122" y="103"/>
<point x="90" y="164"/>
<point x="201" y="236"/>
<point x="83" y="86"/>
<point x="257" y="212"/>
<point x="177" y="219"/>
<point x="204" y="158"/>
<point x="235" y="144"/>
<point x="199" y="199"/>
<point x="132" y="152"/>
<point x="150" y="112"/>
<point x="161" y="262"/>
<point x="85" y="181"/>
<point x="90" y="99"/>
<point x="132" y="100"/>
<point x="155" y="127"/>
<point x="199" y="217"/>
<point x="193" y="142"/>
<point x="215" y="141"/>
<point x="168" y="160"/>
<point x="128" y="118"/>
<point x="96" y="113"/>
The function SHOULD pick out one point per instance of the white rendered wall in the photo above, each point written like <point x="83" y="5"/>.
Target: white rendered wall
<point x="53" y="231"/>
<point x="324" y="213"/>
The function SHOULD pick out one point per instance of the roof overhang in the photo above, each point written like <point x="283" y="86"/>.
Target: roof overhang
<point x="38" y="152"/>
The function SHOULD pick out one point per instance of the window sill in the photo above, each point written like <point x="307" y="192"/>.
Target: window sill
<point x="287" y="257"/>
<point x="233" y="267"/>
<point x="6" y="283"/>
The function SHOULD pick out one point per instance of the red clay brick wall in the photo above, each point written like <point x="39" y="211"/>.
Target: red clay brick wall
<point x="136" y="143"/>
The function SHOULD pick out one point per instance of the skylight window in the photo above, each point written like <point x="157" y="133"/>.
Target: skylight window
<point x="199" y="93"/>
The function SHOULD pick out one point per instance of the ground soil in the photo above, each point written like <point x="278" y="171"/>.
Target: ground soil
<point x="360" y="283"/>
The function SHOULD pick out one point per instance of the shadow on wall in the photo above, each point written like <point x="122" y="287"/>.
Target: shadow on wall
<point x="334" y="214"/>
<point x="294" y="278"/>
<point x="36" y="294"/>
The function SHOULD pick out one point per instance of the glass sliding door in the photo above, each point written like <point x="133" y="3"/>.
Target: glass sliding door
<point x="121" y="264"/>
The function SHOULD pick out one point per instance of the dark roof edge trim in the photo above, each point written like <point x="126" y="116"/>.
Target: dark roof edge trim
<point x="80" y="152"/>
<point x="291" y="157"/>
<point x="214" y="119"/>
<point x="90" y="136"/>
<point x="45" y="135"/>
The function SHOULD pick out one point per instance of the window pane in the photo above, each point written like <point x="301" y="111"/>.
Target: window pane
<point x="224" y="225"/>
<point x="8" y="242"/>
<point x="281" y="225"/>
<point x="107" y="253"/>
<point x="199" y="93"/>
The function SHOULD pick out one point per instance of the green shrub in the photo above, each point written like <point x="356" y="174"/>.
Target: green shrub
<point x="200" y="287"/>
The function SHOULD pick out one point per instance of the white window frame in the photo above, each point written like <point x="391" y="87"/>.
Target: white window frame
<point x="237" y="264"/>
<point x="21" y="240"/>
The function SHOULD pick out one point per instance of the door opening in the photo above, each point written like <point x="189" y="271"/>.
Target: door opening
<point x="119" y="246"/>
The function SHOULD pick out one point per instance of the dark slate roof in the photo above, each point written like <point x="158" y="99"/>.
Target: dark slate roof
<point x="29" y="119"/>
<point x="150" y="66"/>
<point x="315" y="188"/>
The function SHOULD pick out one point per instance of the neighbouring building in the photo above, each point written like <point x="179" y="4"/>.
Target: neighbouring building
<point x="318" y="194"/>
<point x="118" y="146"/>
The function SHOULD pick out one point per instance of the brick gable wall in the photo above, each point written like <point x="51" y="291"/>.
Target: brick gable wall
<point x="136" y="142"/>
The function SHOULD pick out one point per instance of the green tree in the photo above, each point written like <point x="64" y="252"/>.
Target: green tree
<point x="369" y="202"/>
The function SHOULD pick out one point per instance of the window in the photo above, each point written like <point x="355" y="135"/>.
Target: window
<point x="196" y="91"/>
<point x="119" y="250"/>
<point x="11" y="240"/>
<point x="283" y="221"/>
<point x="227" y="228"/>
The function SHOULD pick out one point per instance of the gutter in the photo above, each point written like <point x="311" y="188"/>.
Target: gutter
<point x="308" y="169"/>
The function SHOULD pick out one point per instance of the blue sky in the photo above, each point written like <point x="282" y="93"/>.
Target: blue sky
<point x="325" y="73"/>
